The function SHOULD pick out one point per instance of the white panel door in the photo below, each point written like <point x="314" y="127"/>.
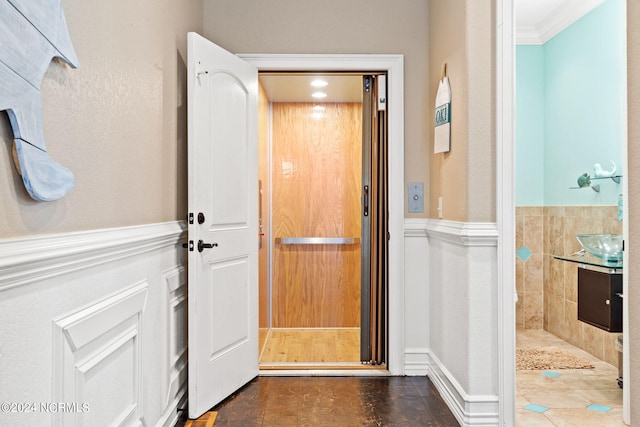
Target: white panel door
<point x="223" y="195"/>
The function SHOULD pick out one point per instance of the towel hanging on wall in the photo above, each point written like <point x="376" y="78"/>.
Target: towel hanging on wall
<point x="442" y="139"/>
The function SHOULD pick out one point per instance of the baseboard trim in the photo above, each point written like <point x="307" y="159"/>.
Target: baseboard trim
<point x="30" y="259"/>
<point x="416" y="361"/>
<point x="469" y="410"/>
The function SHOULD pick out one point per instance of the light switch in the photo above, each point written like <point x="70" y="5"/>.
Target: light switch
<point x="416" y="197"/>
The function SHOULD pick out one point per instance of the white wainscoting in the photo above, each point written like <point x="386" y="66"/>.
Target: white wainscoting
<point x="99" y="318"/>
<point x="416" y="273"/>
<point x="462" y="354"/>
<point x="93" y="327"/>
<point x="96" y="354"/>
<point x="469" y="410"/>
<point x="175" y="343"/>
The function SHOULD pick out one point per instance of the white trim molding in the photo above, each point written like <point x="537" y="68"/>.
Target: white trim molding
<point x="174" y="342"/>
<point x="416" y="361"/>
<point x="555" y="22"/>
<point x="463" y="233"/>
<point x="87" y="343"/>
<point x="96" y="321"/>
<point x="469" y="410"/>
<point x="26" y="260"/>
<point x="417" y="301"/>
<point x="505" y="208"/>
<point x="462" y="356"/>
<point x="393" y="64"/>
<point x="415" y="227"/>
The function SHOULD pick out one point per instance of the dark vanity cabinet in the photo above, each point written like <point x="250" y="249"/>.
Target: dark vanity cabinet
<point x="599" y="299"/>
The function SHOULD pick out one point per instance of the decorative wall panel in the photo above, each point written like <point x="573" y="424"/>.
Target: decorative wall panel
<point x="97" y="354"/>
<point x="93" y="326"/>
<point x="175" y="342"/>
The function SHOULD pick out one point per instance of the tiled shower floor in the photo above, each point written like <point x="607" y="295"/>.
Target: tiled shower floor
<point x="577" y="397"/>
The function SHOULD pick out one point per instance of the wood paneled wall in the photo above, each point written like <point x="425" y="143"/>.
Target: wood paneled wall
<point x="317" y="175"/>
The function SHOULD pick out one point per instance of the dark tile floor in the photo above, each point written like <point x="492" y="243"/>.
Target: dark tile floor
<point x="335" y="402"/>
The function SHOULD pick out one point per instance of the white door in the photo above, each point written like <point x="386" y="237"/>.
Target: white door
<point x="223" y="195"/>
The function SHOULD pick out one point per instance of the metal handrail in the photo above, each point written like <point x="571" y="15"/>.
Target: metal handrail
<point x="317" y="240"/>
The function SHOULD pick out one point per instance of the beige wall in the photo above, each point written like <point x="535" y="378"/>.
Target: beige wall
<point x="465" y="176"/>
<point x="118" y="122"/>
<point x="633" y="173"/>
<point x="448" y="171"/>
<point x="338" y="26"/>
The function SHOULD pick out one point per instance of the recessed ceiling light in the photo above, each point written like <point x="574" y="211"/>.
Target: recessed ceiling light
<point x="319" y="95"/>
<point x="319" y="83"/>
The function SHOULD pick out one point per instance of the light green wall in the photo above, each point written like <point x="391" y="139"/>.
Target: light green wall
<point x="583" y="110"/>
<point x="530" y="126"/>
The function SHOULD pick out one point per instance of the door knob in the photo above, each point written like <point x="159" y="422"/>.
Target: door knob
<point x="202" y="245"/>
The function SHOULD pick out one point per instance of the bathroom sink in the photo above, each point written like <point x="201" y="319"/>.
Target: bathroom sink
<point x="605" y="246"/>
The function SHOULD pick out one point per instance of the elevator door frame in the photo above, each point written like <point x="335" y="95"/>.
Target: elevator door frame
<point x="393" y="65"/>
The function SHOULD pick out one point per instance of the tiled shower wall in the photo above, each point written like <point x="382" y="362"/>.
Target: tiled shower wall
<point x="547" y="287"/>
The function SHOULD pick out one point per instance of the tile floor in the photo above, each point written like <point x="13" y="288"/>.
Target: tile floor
<point x="335" y="402"/>
<point x="576" y="397"/>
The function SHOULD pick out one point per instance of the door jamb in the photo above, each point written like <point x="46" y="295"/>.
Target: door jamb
<point x="394" y="66"/>
<point x="505" y="207"/>
<point x="505" y="216"/>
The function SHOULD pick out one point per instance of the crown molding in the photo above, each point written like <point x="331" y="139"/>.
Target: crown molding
<point x="528" y="36"/>
<point x="564" y="15"/>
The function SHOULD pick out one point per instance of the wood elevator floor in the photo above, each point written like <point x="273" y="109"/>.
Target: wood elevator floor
<point x="310" y="348"/>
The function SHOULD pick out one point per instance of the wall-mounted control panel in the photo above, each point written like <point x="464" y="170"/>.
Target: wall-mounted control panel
<point x="416" y="197"/>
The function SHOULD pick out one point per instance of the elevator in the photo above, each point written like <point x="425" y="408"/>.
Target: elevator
<point x="322" y="204"/>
